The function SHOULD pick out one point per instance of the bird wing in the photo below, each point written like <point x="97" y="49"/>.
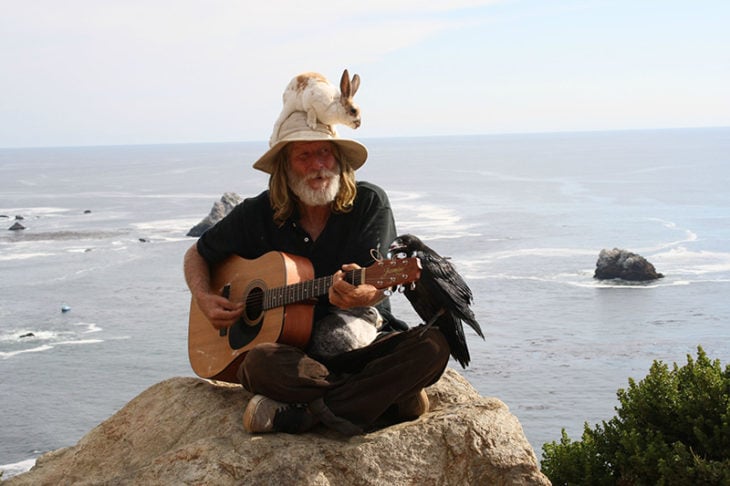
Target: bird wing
<point x="441" y="289"/>
<point x="450" y="290"/>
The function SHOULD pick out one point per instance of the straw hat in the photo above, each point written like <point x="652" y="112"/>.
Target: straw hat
<point x="295" y="129"/>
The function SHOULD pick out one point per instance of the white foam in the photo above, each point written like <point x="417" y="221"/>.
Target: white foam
<point x="430" y="221"/>
<point x="534" y="252"/>
<point x="34" y="211"/>
<point x="162" y="225"/>
<point x="90" y="327"/>
<point x="170" y="239"/>
<point x="681" y="260"/>
<point x="10" y="354"/>
<point x="15" y="468"/>
<point x="81" y="341"/>
<point x="689" y="236"/>
<point x="84" y="249"/>
<point x="46" y="340"/>
<point x="24" y="256"/>
<point x="37" y="336"/>
<point x="400" y="196"/>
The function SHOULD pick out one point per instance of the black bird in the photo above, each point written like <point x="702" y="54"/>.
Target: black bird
<point x="440" y="297"/>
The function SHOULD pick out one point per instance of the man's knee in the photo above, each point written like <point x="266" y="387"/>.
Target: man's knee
<point x="436" y="344"/>
<point x="260" y="354"/>
<point x="255" y="358"/>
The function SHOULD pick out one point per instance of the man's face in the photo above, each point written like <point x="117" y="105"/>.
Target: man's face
<point x="313" y="172"/>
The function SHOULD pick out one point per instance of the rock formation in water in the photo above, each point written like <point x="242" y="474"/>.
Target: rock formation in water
<point x="625" y="265"/>
<point x="228" y="201"/>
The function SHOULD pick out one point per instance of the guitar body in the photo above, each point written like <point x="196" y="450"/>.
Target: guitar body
<point x="216" y="354"/>
<point x="279" y="292"/>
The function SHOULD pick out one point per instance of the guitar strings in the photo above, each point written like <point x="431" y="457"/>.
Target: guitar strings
<point x="297" y="292"/>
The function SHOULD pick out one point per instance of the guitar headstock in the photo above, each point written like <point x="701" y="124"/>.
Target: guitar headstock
<point x="385" y="274"/>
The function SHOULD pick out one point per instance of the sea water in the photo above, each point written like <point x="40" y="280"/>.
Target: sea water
<point x="94" y="307"/>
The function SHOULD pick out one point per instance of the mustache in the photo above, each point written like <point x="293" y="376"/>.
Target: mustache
<point x="322" y="173"/>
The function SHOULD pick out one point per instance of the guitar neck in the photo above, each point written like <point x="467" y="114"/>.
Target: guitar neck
<point x="303" y="291"/>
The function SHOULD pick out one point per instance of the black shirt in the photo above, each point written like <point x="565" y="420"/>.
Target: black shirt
<point x="354" y="237"/>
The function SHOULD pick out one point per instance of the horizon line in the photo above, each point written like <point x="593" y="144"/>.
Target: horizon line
<point x="392" y="137"/>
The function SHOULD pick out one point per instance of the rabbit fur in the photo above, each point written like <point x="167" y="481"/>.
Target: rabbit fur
<point x="313" y="94"/>
<point x="344" y="330"/>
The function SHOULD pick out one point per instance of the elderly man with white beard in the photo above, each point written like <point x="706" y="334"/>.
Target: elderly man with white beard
<point x="314" y="208"/>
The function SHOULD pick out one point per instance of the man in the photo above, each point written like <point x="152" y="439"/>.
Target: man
<point x="314" y="208"/>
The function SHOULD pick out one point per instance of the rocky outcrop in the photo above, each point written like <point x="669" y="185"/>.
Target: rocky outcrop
<point x="625" y="265"/>
<point x="188" y="431"/>
<point x="228" y="201"/>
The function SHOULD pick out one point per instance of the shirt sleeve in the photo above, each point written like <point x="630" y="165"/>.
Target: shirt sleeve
<point x="240" y="232"/>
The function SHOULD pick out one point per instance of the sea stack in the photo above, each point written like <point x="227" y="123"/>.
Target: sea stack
<point x="625" y="265"/>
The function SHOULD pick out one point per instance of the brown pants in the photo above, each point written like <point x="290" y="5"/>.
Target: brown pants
<point x="359" y="385"/>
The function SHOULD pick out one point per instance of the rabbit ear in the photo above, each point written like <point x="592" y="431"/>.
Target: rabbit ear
<point x="345" y="84"/>
<point x="355" y="85"/>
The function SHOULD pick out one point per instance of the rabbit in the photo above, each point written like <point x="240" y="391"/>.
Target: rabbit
<point x="313" y="94"/>
<point x="344" y="330"/>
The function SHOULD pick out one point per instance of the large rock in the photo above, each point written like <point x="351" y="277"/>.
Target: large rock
<point x="188" y="431"/>
<point x="228" y="201"/>
<point x="625" y="265"/>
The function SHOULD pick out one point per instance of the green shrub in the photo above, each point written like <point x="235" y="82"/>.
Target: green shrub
<point x="672" y="428"/>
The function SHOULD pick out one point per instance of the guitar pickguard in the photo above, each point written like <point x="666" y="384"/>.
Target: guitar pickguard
<point x="248" y="326"/>
<point x="240" y="334"/>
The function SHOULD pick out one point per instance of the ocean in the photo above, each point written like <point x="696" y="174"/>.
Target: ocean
<point x="94" y="307"/>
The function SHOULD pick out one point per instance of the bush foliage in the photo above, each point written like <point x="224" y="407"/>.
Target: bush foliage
<point x="671" y="428"/>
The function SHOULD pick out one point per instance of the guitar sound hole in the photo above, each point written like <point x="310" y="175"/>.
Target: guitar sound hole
<point x="254" y="305"/>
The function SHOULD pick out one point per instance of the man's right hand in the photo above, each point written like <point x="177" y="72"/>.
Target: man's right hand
<point x="219" y="311"/>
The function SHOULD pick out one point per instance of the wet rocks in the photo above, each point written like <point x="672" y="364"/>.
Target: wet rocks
<point x="623" y="264"/>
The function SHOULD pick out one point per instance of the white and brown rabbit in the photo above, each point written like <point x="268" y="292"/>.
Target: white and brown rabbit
<point x="313" y="94"/>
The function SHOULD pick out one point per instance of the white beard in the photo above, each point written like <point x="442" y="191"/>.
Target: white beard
<point x="315" y="197"/>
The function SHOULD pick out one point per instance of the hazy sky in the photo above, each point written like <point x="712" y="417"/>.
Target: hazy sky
<point x="96" y="72"/>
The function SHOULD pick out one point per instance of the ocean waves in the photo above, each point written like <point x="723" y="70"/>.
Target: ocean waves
<point x="572" y="266"/>
<point x="429" y="220"/>
<point x="15" y="342"/>
<point x="489" y="248"/>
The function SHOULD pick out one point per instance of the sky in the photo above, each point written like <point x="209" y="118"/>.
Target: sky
<point x="106" y="72"/>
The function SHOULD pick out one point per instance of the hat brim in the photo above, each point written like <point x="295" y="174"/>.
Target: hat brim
<point x="354" y="152"/>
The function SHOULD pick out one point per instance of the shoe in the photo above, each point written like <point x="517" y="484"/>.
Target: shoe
<point x="414" y="406"/>
<point x="263" y="414"/>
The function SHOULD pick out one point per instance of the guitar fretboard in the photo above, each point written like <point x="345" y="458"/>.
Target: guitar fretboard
<point x="303" y="291"/>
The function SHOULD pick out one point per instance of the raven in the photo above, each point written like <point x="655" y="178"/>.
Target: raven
<point x="440" y="297"/>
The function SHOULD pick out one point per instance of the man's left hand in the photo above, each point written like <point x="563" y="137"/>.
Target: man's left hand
<point x="345" y="295"/>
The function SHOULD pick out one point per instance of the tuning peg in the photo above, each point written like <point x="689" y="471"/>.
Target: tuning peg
<point x="388" y="292"/>
<point x="413" y="285"/>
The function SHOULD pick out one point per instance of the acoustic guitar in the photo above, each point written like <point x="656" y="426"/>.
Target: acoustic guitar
<point x="279" y="292"/>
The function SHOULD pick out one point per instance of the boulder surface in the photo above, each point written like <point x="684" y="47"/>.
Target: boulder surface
<point x="625" y="265"/>
<point x="189" y="431"/>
